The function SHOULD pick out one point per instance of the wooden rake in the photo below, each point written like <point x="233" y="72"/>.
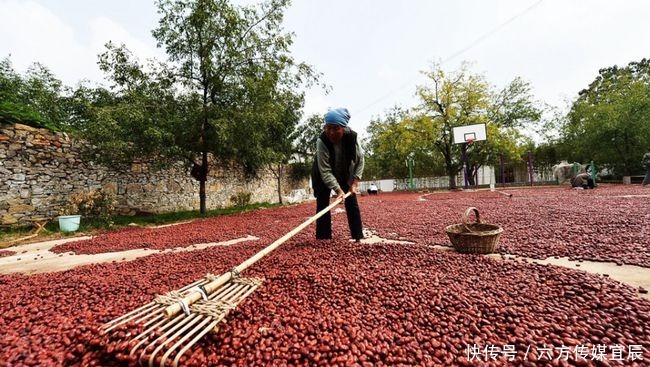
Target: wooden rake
<point x="162" y="331"/>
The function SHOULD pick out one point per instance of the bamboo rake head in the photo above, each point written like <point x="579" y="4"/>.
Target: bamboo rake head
<point x="148" y="336"/>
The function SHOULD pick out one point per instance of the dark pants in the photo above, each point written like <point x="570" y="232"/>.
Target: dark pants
<point x="324" y="223"/>
<point x="646" y="179"/>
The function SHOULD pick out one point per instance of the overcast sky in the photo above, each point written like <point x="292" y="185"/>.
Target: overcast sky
<point x="370" y="52"/>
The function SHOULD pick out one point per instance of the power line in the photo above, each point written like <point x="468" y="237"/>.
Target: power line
<point x="477" y="41"/>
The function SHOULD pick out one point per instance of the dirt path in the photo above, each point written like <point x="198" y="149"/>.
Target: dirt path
<point x="635" y="276"/>
<point x="632" y="275"/>
<point x="37" y="257"/>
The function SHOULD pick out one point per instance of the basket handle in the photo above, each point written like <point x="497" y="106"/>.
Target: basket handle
<point x="466" y="217"/>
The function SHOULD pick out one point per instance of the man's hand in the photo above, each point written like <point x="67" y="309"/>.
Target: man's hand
<point x="354" y="188"/>
<point x="339" y="193"/>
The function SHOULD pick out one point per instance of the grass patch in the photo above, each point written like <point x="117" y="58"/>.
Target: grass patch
<point x="166" y="218"/>
<point x="9" y="233"/>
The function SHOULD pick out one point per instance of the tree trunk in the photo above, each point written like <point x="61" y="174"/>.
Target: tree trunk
<point x="277" y="173"/>
<point x="450" y="170"/>
<point x="204" y="178"/>
<point x="204" y="150"/>
<point x="279" y="177"/>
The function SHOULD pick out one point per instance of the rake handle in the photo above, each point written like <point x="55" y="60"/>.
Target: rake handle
<point x="175" y="308"/>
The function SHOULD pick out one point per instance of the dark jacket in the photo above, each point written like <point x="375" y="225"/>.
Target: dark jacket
<point x="349" y="145"/>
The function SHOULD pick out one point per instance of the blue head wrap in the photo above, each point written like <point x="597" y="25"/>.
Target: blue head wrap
<point x="338" y="116"/>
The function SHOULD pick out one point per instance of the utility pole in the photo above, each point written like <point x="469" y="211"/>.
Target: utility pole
<point x="410" y="163"/>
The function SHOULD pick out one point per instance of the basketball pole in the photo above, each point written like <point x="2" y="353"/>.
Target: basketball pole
<point x="464" y="151"/>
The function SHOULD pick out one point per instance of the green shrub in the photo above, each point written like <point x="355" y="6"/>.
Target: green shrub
<point x="18" y="113"/>
<point x="97" y="204"/>
<point x="241" y="199"/>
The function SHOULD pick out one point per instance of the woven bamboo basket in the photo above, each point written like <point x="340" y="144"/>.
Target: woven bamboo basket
<point x="474" y="238"/>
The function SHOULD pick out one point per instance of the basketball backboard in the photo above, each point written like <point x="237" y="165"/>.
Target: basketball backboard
<point x="469" y="133"/>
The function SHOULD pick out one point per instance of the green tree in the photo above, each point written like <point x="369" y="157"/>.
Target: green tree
<point x="510" y="110"/>
<point x="228" y="91"/>
<point x="279" y="141"/>
<point x="461" y="98"/>
<point x="452" y="99"/>
<point x="141" y="116"/>
<point x="38" y="98"/>
<point x="513" y="106"/>
<point x="381" y="157"/>
<point x="305" y="136"/>
<point x="399" y="135"/>
<point x="303" y="140"/>
<point x="237" y="60"/>
<point x="610" y="120"/>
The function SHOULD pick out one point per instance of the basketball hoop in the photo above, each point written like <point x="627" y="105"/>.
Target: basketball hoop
<point x="464" y="135"/>
<point x="469" y="133"/>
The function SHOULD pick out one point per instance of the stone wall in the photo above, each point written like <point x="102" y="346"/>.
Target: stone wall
<point x="39" y="169"/>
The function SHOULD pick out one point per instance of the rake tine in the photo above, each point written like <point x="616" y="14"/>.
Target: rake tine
<point x="153" y="327"/>
<point x="241" y="293"/>
<point x="193" y="321"/>
<point x="129" y="316"/>
<point x="109" y="325"/>
<point x="193" y="341"/>
<point x="160" y="315"/>
<point x="241" y="287"/>
<point x="170" y="323"/>
<point x="144" y="316"/>
<point x="235" y="296"/>
<point x="176" y="323"/>
<point x="232" y="292"/>
<point x="167" y="324"/>
<point x="251" y="290"/>
<point x="197" y="328"/>
<point x="153" y="314"/>
<point x="163" y="339"/>
<point x="181" y="320"/>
